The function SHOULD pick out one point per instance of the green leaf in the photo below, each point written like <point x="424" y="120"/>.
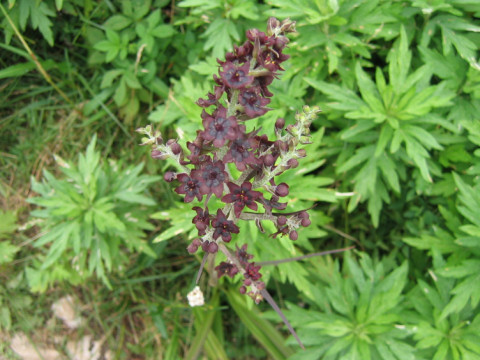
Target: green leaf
<point x="5" y="318"/>
<point x="344" y="99"/>
<point x="16" y="70"/>
<point x="109" y="77"/>
<point x="385" y="135"/>
<point x="117" y="22"/>
<point x="120" y="96"/>
<point x="423" y="136"/>
<point x="219" y="36"/>
<point x="360" y="156"/>
<point x="60" y="244"/>
<point x="39" y="16"/>
<point x="8" y="224"/>
<point x="175" y="230"/>
<point x="399" y="59"/>
<point x="262" y="330"/>
<point x="7" y="251"/>
<point x="163" y="31"/>
<point x="369" y="92"/>
<point x="131" y="80"/>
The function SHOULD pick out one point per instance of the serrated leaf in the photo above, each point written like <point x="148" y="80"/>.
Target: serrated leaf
<point x="39" y="16"/>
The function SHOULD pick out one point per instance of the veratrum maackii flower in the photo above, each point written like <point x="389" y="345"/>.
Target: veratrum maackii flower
<point x="240" y="94"/>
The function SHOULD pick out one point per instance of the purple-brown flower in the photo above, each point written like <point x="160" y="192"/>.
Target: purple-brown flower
<point x="225" y="268"/>
<point x="223" y="227"/>
<point x="252" y="102"/>
<point x="211" y="177"/>
<point x="242" y="255"/>
<point x="271" y="59"/>
<point x="218" y="127"/>
<point x="236" y="77"/>
<point x="201" y="220"/>
<point x="212" y="99"/>
<point x="240" y="153"/>
<point x="251" y="272"/>
<point x="189" y="187"/>
<point x="242" y="196"/>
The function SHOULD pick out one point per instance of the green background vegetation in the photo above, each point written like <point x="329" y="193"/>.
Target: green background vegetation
<point x="394" y="169"/>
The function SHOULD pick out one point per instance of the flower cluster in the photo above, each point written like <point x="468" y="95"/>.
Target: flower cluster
<point x="240" y="94"/>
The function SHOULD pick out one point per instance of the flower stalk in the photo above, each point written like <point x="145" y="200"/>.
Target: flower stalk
<point x="240" y="94"/>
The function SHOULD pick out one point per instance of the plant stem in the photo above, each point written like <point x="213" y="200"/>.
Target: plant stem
<point x="297" y="258"/>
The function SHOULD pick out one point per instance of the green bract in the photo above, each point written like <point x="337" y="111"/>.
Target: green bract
<point x="88" y="218"/>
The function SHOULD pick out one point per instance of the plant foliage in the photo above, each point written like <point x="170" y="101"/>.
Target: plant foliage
<point x="88" y="218"/>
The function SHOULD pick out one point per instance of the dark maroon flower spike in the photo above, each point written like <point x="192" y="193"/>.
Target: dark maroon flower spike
<point x="242" y="196"/>
<point x="189" y="187"/>
<point x="223" y="227"/>
<point x="235" y="76"/>
<point x="218" y="127"/>
<point x="240" y="93"/>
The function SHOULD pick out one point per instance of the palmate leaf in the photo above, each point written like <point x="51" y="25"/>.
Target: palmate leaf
<point x="362" y="317"/>
<point x="220" y="36"/>
<point x="396" y="117"/>
<point x="453" y="30"/>
<point x="466" y="243"/>
<point x="448" y="337"/>
<point x="87" y="215"/>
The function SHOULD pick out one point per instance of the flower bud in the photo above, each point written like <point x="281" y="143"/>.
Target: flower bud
<point x="272" y="25"/>
<point x="282" y="145"/>
<point x="282" y="190"/>
<point x="242" y="289"/>
<point x="305" y="222"/>
<point x="169" y="176"/>
<point x="288" y="26"/>
<point x="158" y="155"/>
<point x="293" y="163"/>
<point x="280" y="123"/>
<point x="301" y="153"/>
<point x="205" y="246"/>
<point x="192" y="248"/>
<point x="176" y="149"/>
<point x="212" y="248"/>
<point x="281" y="220"/>
<point x="293" y="235"/>
<point x="269" y="160"/>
